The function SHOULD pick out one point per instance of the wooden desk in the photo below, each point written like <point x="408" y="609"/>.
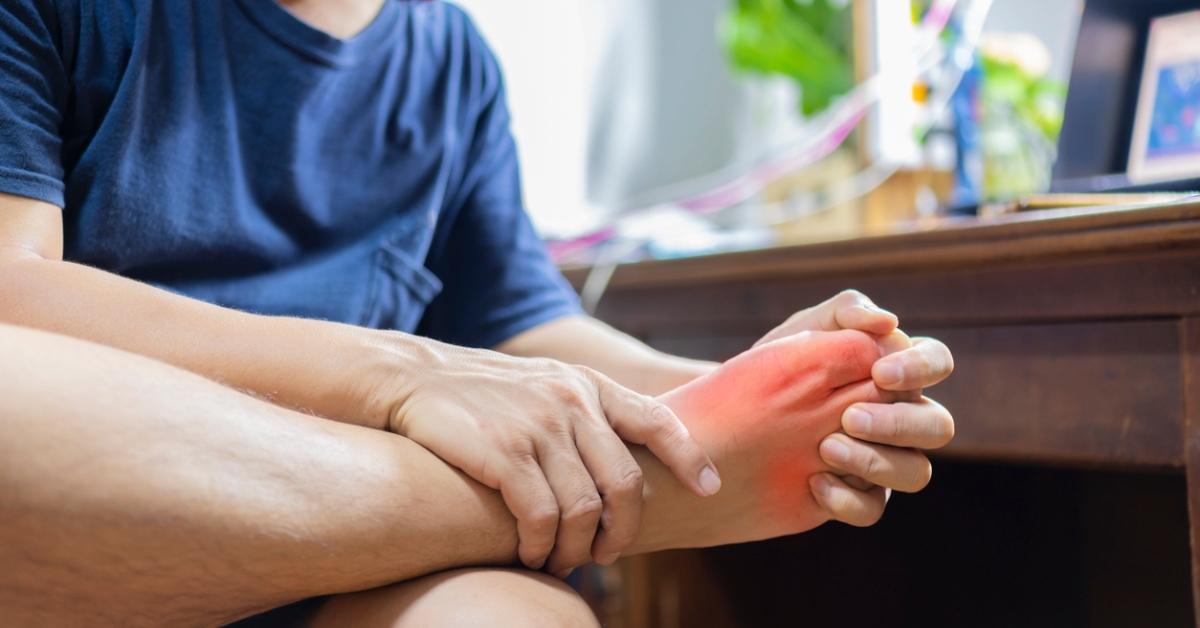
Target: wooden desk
<point x="1077" y="339"/>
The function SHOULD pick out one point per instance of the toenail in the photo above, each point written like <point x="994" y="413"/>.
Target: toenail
<point x="836" y="451"/>
<point x="857" y="421"/>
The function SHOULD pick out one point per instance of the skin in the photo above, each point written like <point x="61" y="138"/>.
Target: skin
<point x="340" y="18"/>
<point x="175" y="500"/>
<point x="519" y="598"/>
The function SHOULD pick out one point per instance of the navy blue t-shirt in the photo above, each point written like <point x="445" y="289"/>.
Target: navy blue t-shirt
<point x="225" y="150"/>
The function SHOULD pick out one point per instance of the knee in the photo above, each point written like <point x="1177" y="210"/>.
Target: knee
<point x="463" y="597"/>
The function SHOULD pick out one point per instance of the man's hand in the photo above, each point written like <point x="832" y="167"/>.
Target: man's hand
<point x="548" y="436"/>
<point x="881" y="448"/>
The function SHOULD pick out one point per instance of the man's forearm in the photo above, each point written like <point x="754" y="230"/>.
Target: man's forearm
<point x="628" y="361"/>
<point x="315" y="366"/>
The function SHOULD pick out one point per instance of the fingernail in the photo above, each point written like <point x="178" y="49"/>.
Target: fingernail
<point x="710" y="482"/>
<point x="888" y="373"/>
<point x="821" y="485"/>
<point x="857" y="420"/>
<point x="564" y="574"/>
<point x="835" y="450"/>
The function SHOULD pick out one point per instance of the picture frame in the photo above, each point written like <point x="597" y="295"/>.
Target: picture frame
<point x="1166" y="133"/>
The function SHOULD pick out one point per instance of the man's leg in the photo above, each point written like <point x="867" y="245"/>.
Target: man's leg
<point x="462" y="598"/>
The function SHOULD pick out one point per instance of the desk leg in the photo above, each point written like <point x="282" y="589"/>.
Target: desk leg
<point x="1190" y="328"/>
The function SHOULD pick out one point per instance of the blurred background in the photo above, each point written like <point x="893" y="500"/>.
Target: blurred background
<point x="625" y="109"/>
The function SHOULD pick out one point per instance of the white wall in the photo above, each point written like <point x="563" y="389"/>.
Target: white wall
<point x="612" y="99"/>
<point x="615" y="98"/>
<point x="543" y="46"/>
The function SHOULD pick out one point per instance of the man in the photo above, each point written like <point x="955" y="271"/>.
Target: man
<point x="316" y="202"/>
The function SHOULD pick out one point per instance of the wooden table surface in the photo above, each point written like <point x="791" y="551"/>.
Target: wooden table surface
<point x="1076" y="333"/>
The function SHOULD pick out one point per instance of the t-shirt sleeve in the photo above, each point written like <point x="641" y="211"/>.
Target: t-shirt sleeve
<point x="33" y="90"/>
<point x="498" y="279"/>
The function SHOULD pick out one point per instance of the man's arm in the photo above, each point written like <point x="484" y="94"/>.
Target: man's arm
<point x="592" y="343"/>
<point x="554" y="444"/>
<point x="138" y="493"/>
<point x="314" y="366"/>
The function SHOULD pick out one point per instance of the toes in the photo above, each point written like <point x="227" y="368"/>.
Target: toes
<point x="835" y="358"/>
<point x="847" y="504"/>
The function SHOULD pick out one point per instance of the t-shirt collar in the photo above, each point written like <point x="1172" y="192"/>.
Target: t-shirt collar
<point x="317" y="45"/>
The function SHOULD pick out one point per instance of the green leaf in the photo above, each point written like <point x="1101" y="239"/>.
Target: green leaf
<point x="806" y="41"/>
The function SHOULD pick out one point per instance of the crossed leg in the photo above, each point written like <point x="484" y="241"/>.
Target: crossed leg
<point x="137" y="494"/>
<point x="462" y="598"/>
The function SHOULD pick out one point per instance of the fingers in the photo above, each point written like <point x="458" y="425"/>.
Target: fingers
<point x="894" y="342"/>
<point x="905" y="470"/>
<point x="645" y="421"/>
<point x="579" y="505"/>
<point x="849" y="309"/>
<point x="926" y="363"/>
<point x="619" y="481"/>
<point x="852" y="309"/>
<point x="858" y="483"/>
<point x="528" y="496"/>
<point x="923" y="424"/>
<point x="847" y="504"/>
<point x="864" y="391"/>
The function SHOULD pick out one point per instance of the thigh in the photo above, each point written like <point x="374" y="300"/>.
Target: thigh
<point x="462" y="597"/>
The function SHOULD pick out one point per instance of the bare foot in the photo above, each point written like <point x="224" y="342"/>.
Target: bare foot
<point x="761" y="416"/>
